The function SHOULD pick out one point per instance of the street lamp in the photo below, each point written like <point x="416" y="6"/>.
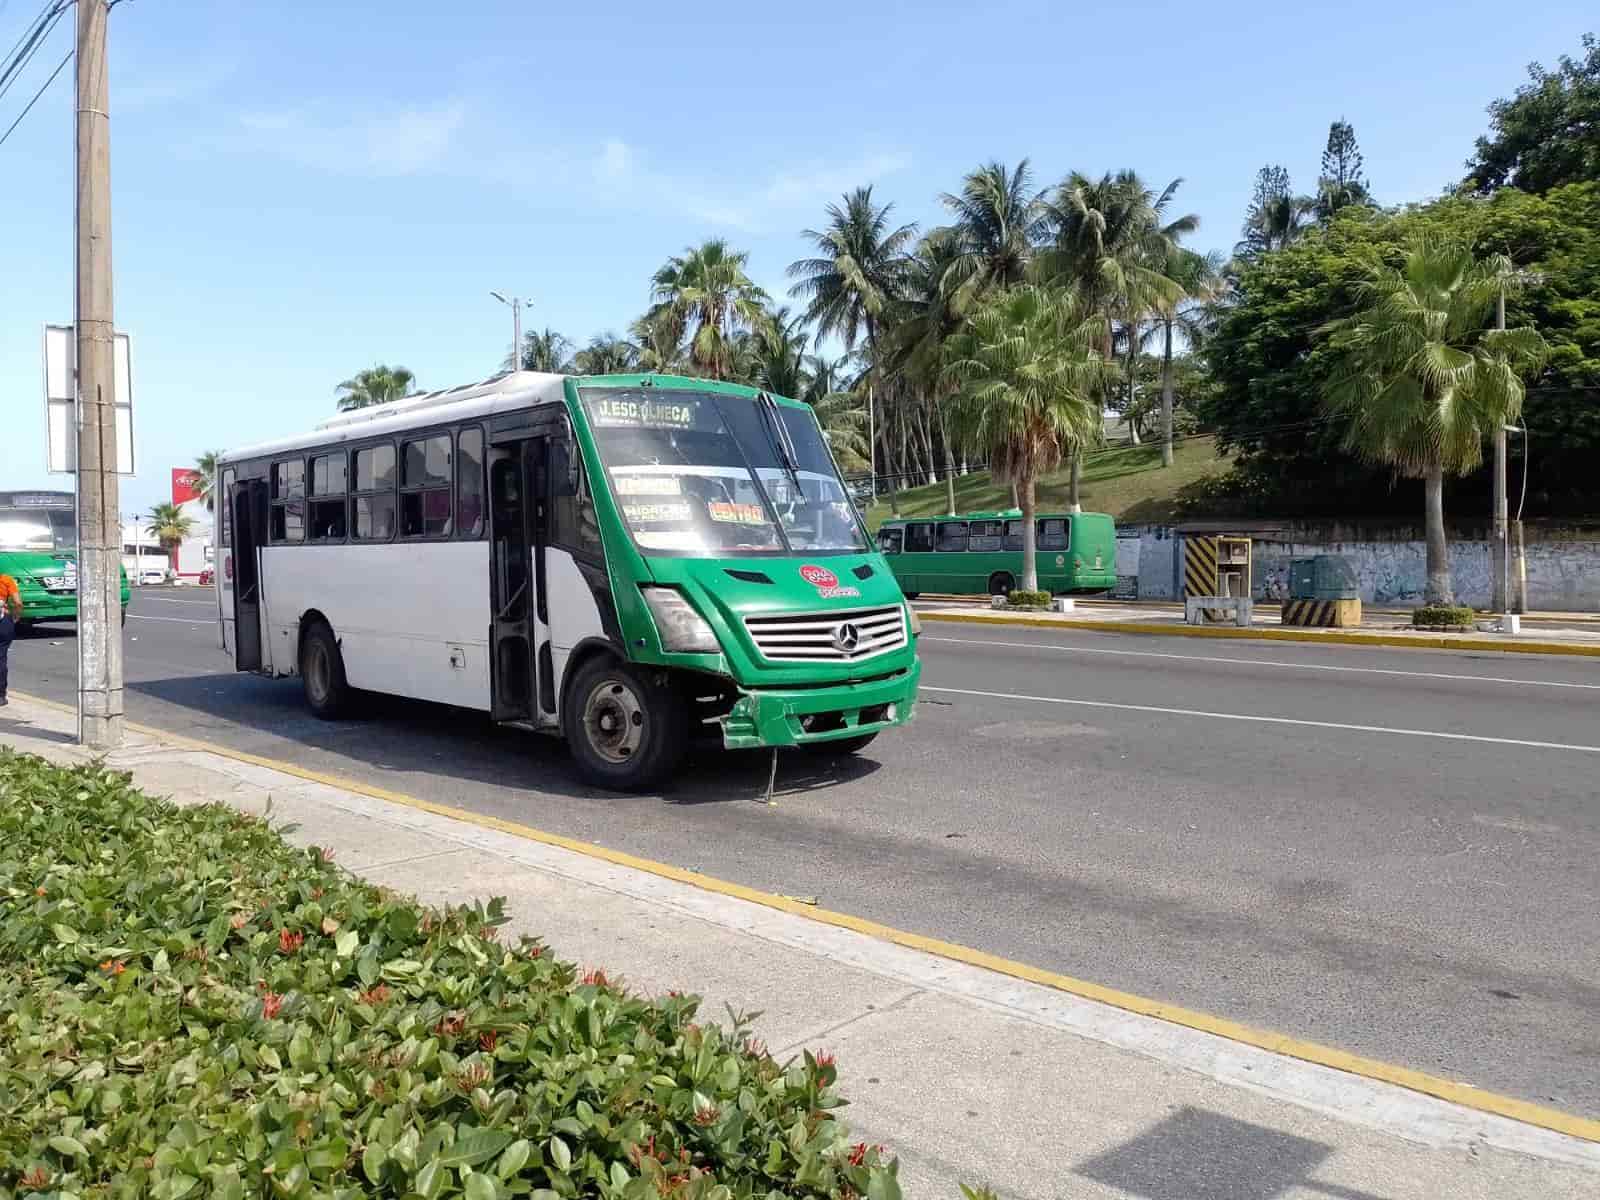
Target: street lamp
<point x="515" y="304"/>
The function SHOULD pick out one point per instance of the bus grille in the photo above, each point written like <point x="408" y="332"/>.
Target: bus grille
<point x="847" y="636"/>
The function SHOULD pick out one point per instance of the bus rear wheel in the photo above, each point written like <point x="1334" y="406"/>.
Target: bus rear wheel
<point x="626" y="726"/>
<point x="322" y="673"/>
<point x="1002" y="583"/>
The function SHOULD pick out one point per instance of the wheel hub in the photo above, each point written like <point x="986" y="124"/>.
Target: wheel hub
<point x="613" y="719"/>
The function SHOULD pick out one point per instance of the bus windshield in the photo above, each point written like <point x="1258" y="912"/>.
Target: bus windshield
<point x="45" y="530"/>
<point x="716" y="475"/>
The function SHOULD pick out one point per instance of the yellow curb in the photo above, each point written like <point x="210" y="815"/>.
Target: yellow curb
<point x="1330" y="637"/>
<point x="1447" y="1090"/>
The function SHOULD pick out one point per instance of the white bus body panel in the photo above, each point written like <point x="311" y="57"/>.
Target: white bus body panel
<point x="411" y="618"/>
<point x="574" y="615"/>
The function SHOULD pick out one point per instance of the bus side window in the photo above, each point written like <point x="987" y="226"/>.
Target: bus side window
<point x="425" y="487"/>
<point x="1052" y="534"/>
<point x="469" y="483"/>
<point x="328" y="486"/>
<point x="374" y="494"/>
<point x="952" y="537"/>
<point x="288" y="516"/>
<point x="986" y="536"/>
<point x="890" y="540"/>
<point x="1014" y="535"/>
<point x="919" y="539"/>
<point x="572" y="518"/>
<point x="225" y="506"/>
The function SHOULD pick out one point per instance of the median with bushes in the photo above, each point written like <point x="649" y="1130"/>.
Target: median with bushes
<point x="189" y="1006"/>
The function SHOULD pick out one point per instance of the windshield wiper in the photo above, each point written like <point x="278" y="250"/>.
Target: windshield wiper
<point x="780" y="442"/>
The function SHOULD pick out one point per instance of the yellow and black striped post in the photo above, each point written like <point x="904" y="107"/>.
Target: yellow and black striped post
<point x="1322" y="614"/>
<point x="1199" y="567"/>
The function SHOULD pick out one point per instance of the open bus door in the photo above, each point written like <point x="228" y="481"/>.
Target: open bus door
<point x="248" y="499"/>
<point x="512" y="586"/>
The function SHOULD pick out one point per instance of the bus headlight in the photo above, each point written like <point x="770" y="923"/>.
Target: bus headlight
<point x="682" y="630"/>
<point x="916" y="621"/>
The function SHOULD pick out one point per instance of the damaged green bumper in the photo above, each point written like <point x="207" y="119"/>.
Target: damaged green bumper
<point x="802" y="716"/>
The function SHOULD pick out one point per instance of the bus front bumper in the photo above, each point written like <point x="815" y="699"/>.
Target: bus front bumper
<point x="804" y="716"/>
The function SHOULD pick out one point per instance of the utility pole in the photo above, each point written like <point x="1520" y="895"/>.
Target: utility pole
<point x="1502" y="573"/>
<point x="514" y="303"/>
<point x="99" y="520"/>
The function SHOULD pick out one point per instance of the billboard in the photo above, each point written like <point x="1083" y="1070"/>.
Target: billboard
<point x="185" y="485"/>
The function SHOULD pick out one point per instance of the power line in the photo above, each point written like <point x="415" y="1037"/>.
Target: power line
<point x="65" y="59"/>
<point x="30" y="43"/>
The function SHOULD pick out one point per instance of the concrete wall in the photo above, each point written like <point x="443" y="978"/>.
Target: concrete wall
<point x="1563" y="571"/>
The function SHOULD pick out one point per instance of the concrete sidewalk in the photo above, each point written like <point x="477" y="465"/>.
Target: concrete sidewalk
<point x="967" y="1074"/>
<point x="1565" y="634"/>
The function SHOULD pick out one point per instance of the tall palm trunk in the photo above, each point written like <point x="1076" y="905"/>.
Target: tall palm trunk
<point x="949" y="461"/>
<point x="1438" y="589"/>
<point x="1132" y="364"/>
<point x="1076" y="478"/>
<point x="1030" y="549"/>
<point x="1166" y="398"/>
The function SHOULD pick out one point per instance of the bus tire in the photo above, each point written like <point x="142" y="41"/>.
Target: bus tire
<point x="626" y="726"/>
<point x="1002" y="583"/>
<point x="843" y="746"/>
<point x="322" y="673"/>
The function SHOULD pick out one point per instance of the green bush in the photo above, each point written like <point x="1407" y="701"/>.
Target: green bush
<point x="1433" y="615"/>
<point x="189" y="1006"/>
<point x="1022" y="599"/>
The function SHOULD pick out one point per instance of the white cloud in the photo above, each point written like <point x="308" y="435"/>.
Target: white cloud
<point x="816" y="183"/>
<point x="403" y="141"/>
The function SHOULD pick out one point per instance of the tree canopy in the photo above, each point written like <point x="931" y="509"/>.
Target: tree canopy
<point x="1548" y="133"/>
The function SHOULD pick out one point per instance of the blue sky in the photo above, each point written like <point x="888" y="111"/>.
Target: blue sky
<point x="305" y="189"/>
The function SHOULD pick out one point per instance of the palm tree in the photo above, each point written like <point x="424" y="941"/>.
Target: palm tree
<point x="708" y="290"/>
<point x="543" y="350"/>
<point x="847" y="288"/>
<point x="925" y="320"/>
<point x="778" y="350"/>
<point x="999" y="220"/>
<point x="659" y="336"/>
<point x="1420" y="379"/>
<point x="168" y="525"/>
<point x="1027" y="379"/>
<point x="1281" y="221"/>
<point x="1112" y="239"/>
<point x="205" y="476"/>
<point x="1202" y="280"/>
<point x="376" y="385"/>
<point x="606" y="354"/>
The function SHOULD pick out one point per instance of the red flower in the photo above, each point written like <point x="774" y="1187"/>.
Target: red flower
<point x="290" y="943"/>
<point x="239" y="920"/>
<point x="487" y="1041"/>
<point x="451" y="1024"/>
<point x="327" y="854"/>
<point x="595" y="977"/>
<point x="113" y="968"/>
<point x="755" y="1047"/>
<point x="35" y="1180"/>
<point x="708" y="1114"/>
<point x="535" y="951"/>
<point x="374" y="995"/>
<point x="858" y="1154"/>
<point x="824" y="1059"/>
<point x="271" y="1005"/>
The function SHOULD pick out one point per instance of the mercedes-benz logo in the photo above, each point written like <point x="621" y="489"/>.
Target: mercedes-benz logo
<point x="846" y="636"/>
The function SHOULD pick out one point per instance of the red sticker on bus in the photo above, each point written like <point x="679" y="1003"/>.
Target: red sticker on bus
<point x="819" y="576"/>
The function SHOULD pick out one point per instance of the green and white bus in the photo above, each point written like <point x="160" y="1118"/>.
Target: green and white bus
<point x="982" y="553"/>
<point x="632" y="561"/>
<point x="39" y="549"/>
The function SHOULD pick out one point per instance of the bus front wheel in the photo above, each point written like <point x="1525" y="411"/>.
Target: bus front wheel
<point x="625" y="725"/>
<point x="322" y="673"/>
<point x="1002" y="583"/>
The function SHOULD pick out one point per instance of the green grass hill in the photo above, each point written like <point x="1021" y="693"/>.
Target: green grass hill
<point x="1126" y="481"/>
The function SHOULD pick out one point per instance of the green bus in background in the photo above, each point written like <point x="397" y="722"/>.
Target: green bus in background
<point x="39" y="549"/>
<point x="982" y="553"/>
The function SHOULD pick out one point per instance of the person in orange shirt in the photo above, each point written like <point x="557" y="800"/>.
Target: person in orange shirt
<point x="10" y="614"/>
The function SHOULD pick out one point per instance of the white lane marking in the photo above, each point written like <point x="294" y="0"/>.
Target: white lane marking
<point x="1222" y="716"/>
<point x="1261" y="662"/>
<point x="174" y="620"/>
<point x="170" y="600"/>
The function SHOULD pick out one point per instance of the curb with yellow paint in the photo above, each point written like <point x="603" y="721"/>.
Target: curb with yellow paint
<point x="1336" y="637"/>
<point x="1447" y="1090"/>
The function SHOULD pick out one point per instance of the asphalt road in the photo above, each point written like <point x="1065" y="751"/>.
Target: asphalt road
<point x="1392" y="851"/>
